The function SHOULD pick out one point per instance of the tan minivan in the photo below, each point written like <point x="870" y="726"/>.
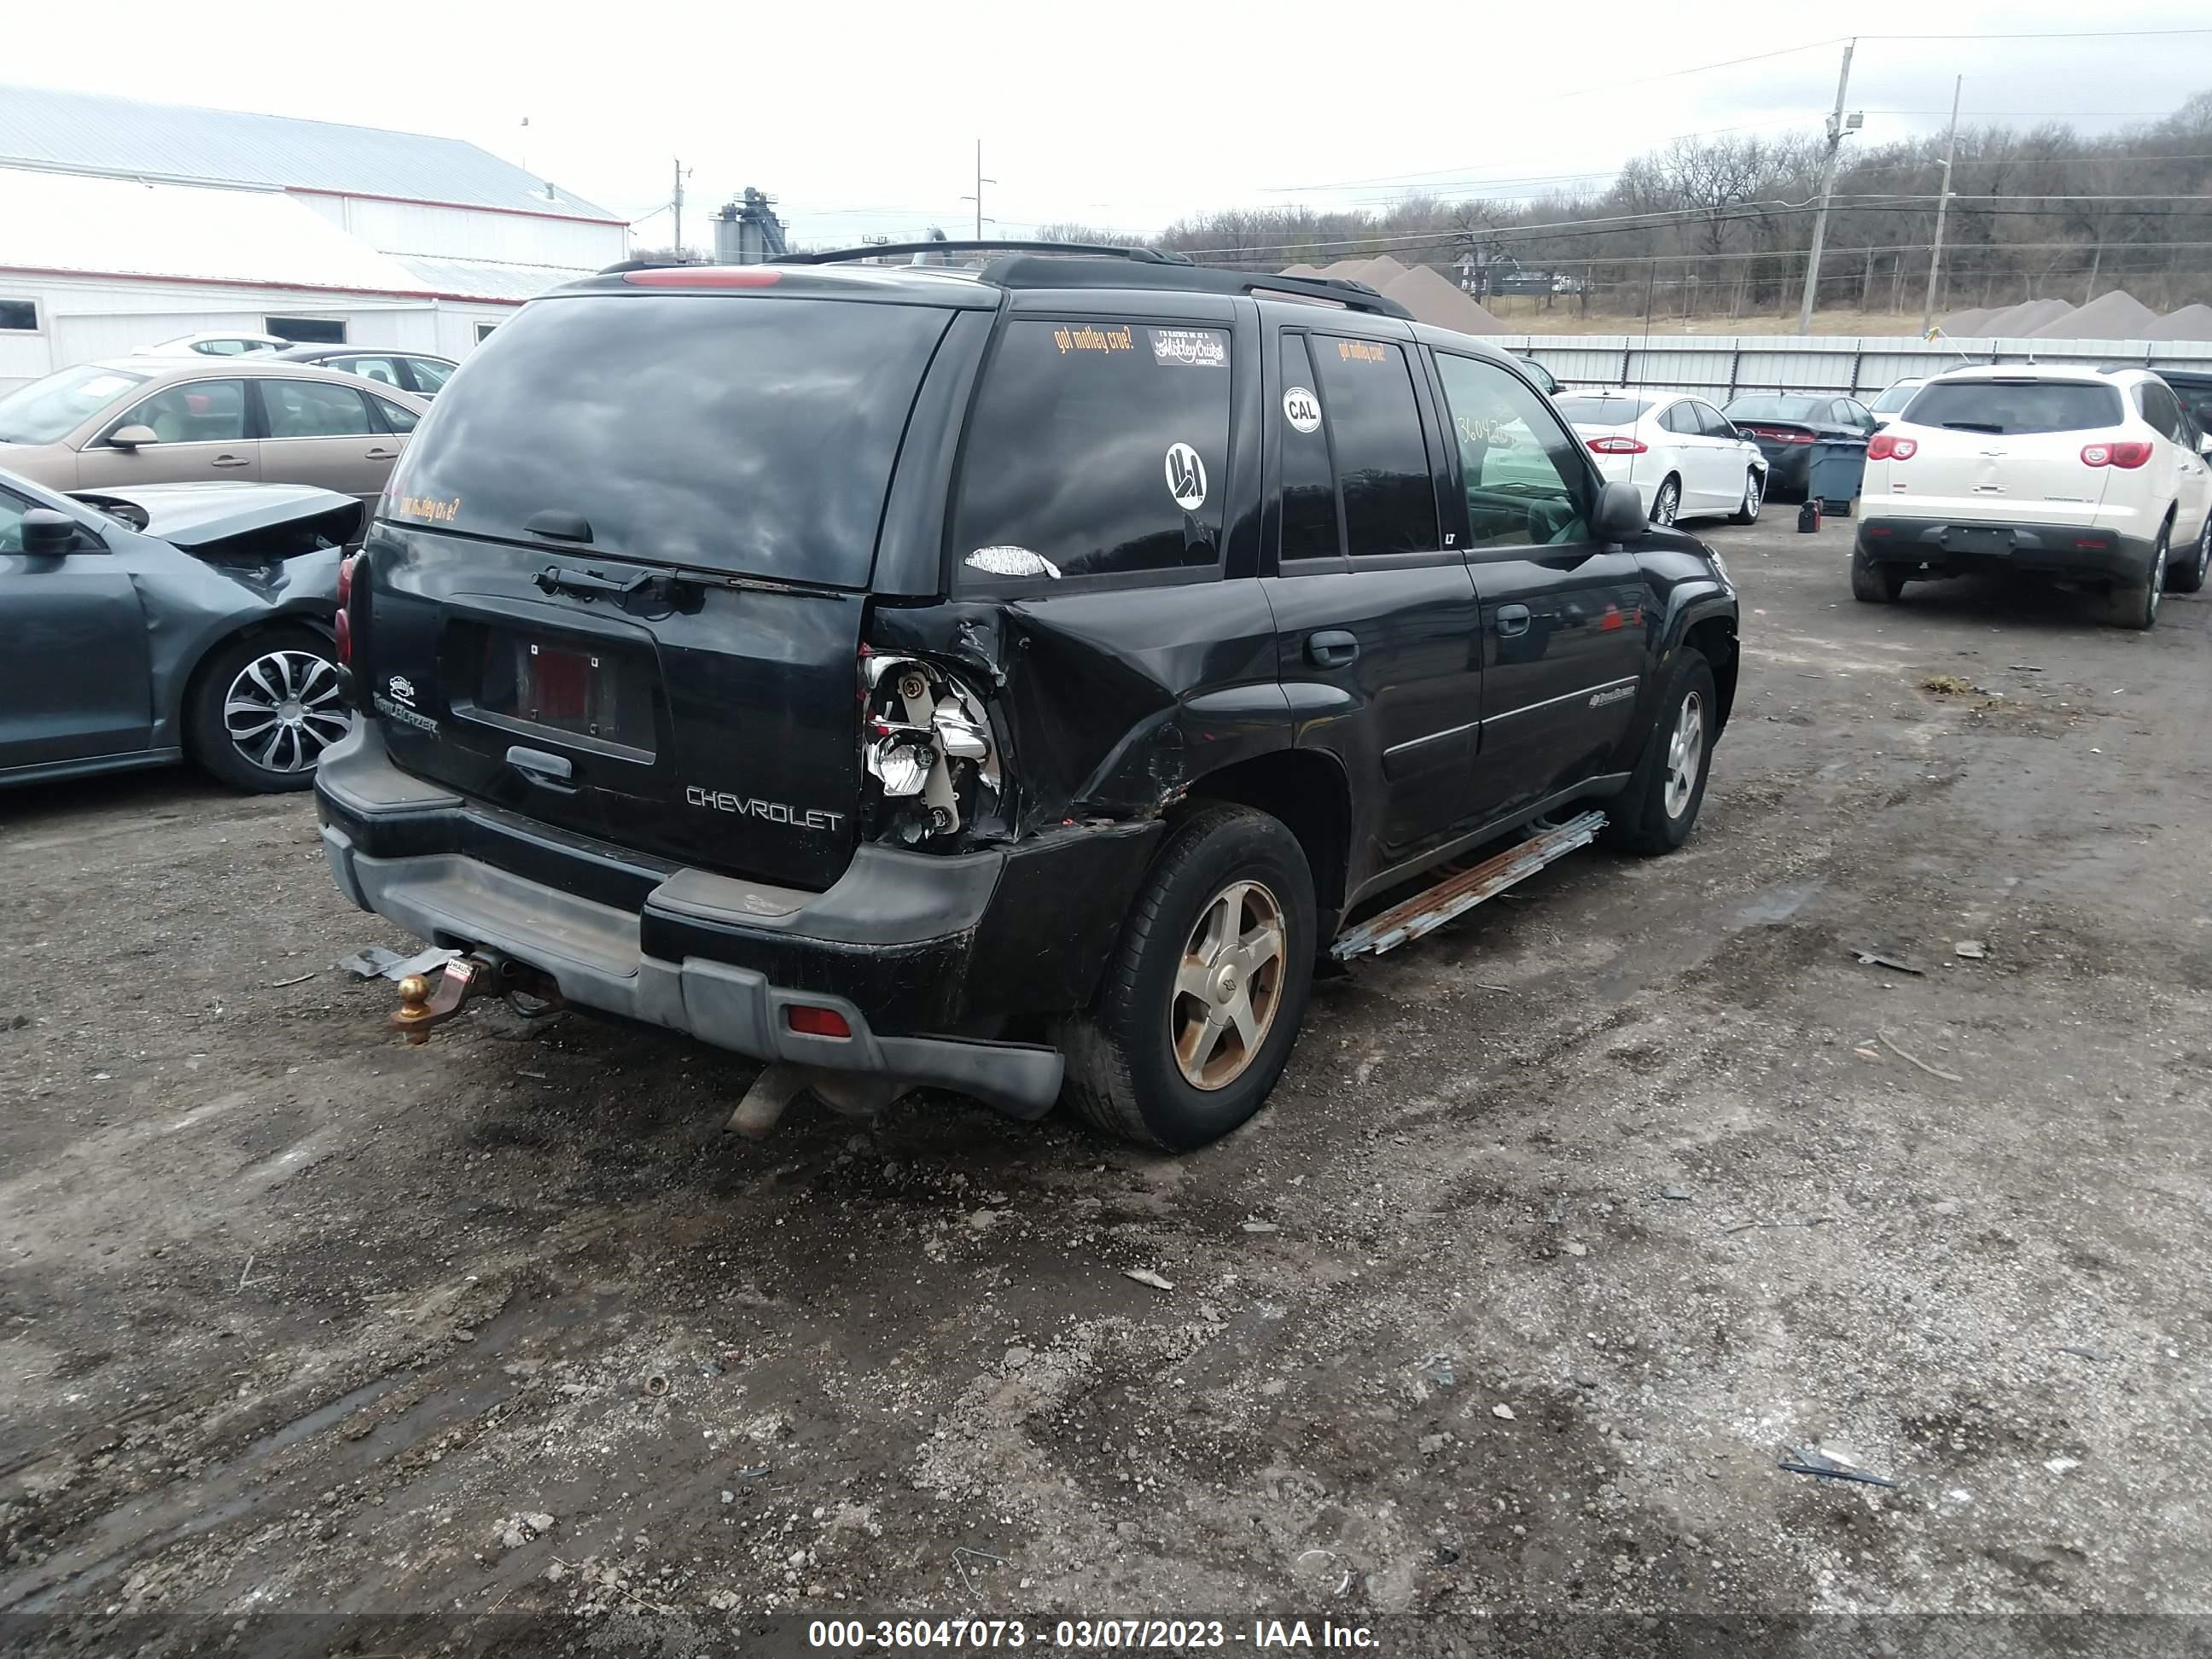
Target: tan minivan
<point x="187" y="419"/>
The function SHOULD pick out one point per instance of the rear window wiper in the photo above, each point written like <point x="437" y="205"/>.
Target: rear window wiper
<point x="588" y="584"/>
<point x="1973" y="426"/>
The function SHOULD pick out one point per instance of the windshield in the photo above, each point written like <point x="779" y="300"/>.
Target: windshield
<point x="1601" y="412"/>
<point x="752" y="434"/>
<point x="1779" y="408"/>
<point x="2016" y="406"/>
<point x="47" y="410"/>
<point x="1897" y="396"/>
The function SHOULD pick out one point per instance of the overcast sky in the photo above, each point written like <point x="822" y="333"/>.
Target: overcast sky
<point x="862" y="120"/>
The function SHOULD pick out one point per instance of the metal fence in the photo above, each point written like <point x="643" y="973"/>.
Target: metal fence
<point x="1719" y="366"/>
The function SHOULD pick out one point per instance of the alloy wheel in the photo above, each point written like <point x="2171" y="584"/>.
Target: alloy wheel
<point x="1753" y="496"/>
<point x="1230" y="986"/>
<point x="282" y="710"/>
<point x="1686" y="749"/>
<point x="2204" y="550"/>
<point x="2158" y="574"/>
<point x="1668" y="502"/>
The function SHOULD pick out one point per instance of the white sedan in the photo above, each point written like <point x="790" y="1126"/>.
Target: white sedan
<point x="1683" y="456"/>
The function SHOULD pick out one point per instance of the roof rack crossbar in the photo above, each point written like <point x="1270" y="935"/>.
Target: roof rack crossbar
<point x="840" y="255"/>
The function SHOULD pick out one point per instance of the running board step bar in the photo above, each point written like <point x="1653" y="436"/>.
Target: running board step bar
<point x="1457" y="895"/>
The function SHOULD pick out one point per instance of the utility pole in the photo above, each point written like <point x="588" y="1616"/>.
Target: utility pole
<point x="1942" y="202"/>
<point x="677" y="202"/>
<point x="977" y="198"/>
<point x="1827" y="190"/>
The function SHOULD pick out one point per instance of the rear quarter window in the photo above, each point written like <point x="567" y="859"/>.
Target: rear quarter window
<point x="1101" y="445"/>
<point x="2016" y="406"/>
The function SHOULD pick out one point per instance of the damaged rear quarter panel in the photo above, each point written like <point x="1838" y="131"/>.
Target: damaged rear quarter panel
<point x="1115" y="700"/>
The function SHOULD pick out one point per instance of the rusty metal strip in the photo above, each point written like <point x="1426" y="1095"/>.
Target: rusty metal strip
<point x="1457" y="895"/>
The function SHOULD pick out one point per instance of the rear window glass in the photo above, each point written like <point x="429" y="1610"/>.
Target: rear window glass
<point x="1601" y="412"/>
<point x="2016" y="406"/>
<point x="1779" y="409"/>
<point x="1101" y="445"/>
<point x="750" y="435"/>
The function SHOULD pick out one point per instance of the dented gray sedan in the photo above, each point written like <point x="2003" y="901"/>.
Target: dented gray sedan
<point x="165" y="623"/>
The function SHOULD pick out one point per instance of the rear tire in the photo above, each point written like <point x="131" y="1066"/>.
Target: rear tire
<point x="2190" y="578"/>
<point x="1219" y="942"/>
<point x="1754" y="495"/>
<point x="1659" y="809"/>
<point x="1666" y="501"/>
<point x="1875" y="584"/>
<point x="2136" y="606"/>
<point x="263" y="708"/>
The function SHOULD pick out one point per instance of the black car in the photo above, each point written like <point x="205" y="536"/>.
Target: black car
<point x="161" y="622"/>
<point x="2194" y="388"/>
<point x="410" y="371"/>
<point x="1789" y="429"/>
<point x="1012" y="681"/>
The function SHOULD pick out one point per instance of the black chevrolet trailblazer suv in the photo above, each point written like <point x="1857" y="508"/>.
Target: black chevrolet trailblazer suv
<point x="1006" y="679"/>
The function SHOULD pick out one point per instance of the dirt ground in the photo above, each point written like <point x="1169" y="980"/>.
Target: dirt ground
<point x="1565" y="1225"/>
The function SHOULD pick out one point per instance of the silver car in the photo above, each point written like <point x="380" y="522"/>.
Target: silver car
<point x="132" y="421"/>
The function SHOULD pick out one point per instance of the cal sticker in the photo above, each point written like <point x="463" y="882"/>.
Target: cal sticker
<point x="1186" y="477"/>
<point x="1196" y="347"/>
<point x="1301" y="409"/>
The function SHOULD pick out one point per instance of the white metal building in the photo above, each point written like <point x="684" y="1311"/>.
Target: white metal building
<point x="124" y="223"/>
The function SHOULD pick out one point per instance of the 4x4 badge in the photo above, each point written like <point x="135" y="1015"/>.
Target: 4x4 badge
<point x="1186" y="477"/>
<point x="402" y="689"/>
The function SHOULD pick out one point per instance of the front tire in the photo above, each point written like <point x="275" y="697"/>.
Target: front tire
<point x="1659" y="809"/>
<point x="2190" y="578"/>
<point x="1667" y="503"/>
<point x="1200" y="1004"/>
<point x="2136" y="606"/>
<point x="1754" y="495"/>
<point x="263" y="708"/>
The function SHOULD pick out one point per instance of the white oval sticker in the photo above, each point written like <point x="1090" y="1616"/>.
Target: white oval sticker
<point x="1301" y="409"/>
<point x="1186" y="475"/>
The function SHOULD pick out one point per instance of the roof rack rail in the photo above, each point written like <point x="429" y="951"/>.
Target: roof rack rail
<point x="840" y="255"/>
<point x="1083" y="265"/>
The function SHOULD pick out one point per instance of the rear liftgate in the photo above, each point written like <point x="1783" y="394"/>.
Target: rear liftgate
<point x="1455" y="895"/>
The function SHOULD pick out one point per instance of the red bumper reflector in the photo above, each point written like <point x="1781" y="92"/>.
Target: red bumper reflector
<point x="342" y="626"/>
<point x="817" y="1022"/>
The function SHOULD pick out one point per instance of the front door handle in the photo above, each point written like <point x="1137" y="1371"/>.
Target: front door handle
<point x="383" y="455"/>
<point x="1512" y="619"/>
<point x="230" y="461"/>
<point x="1331" y="648"/>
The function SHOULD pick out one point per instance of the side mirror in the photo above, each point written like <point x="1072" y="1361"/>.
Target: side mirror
<point x="48" y="534"/>
<point x="1620" y="516"/>
<point x="132" y="437"/>
<point x="1878" y="425"/>
<point x="2204" y="444"/>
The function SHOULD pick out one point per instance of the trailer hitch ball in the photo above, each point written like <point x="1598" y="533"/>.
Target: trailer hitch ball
<point x="423" y="1006"/>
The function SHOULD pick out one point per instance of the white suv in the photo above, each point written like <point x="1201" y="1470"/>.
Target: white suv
<point x="2093" y="476"/>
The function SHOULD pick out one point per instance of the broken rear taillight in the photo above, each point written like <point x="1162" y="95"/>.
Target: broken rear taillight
<point x="928" y="746"/>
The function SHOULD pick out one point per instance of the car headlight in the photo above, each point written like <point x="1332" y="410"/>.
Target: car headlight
<point x="1720" y="565"/>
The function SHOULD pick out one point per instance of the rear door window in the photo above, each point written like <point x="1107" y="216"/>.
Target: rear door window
<point x="752" y="435"/>
<point x="1100" y="445"/>
<point x="1382" y="457"/>
<point x="1311" y="528"/>
<point x="2016" y="406"/>
<point x="314" y="408"/>
<point x="2160" y="408"/>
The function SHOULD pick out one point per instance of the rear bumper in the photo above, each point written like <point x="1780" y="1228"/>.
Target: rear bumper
<point x="909" y="948"/>
<point x="1788" y="467"/>
<point x="1947" y="548"/>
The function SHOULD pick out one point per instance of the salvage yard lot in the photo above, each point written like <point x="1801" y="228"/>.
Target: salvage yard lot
<point x="294" y="1317"/>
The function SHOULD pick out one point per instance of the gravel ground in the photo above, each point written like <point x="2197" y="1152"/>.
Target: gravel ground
<point x="1565" y="1224"/>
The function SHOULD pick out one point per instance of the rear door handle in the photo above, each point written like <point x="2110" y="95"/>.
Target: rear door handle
<point x="1512" y="619"/>
<point x="383" y="454"/>
<point x="1331" y="648"/>
<point x="229" y="460"/>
